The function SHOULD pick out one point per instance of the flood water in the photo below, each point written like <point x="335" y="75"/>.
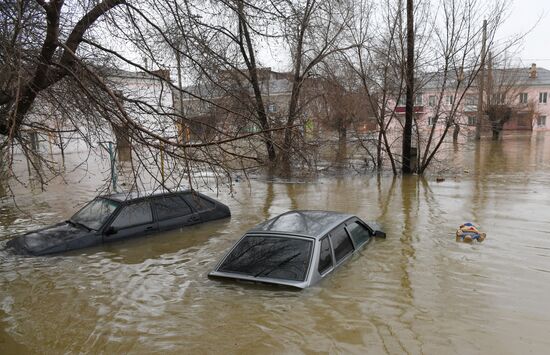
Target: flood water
<point x="416" y="292"/>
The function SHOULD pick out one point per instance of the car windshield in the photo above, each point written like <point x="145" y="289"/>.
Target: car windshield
<point x="94" y="214"/>
<point x="269" y="256"/>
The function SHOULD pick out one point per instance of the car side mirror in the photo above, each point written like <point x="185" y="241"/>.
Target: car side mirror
<point x="110" y="230"/>
<point x="380" y="234"/>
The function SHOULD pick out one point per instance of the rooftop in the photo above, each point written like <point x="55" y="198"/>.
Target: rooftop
<point x="271" y="82"/>
<point x="501" y="76"/>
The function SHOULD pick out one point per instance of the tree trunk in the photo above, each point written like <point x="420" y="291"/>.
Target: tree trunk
<point x="481" y="83"/>
<point x="379" y="150"/>
<point x="45" y="75"/>
<point x="409" y="109"/>
<point x="455" y="133"/>
<point x="250" y="60"/>
<point x="342" y="145"/>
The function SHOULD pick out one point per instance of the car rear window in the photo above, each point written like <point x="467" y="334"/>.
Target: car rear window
<point x="270" y="257"/>
<point x="358" y="233"/>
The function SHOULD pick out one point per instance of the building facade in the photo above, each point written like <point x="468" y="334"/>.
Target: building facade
<point x="524" y="90"/>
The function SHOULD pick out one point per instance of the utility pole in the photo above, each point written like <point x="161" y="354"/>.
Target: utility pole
<point x="490" y="81"/>
<point x="481" y="82"/>
<point x="181" y="120"/>
<point x="409" y="105"/>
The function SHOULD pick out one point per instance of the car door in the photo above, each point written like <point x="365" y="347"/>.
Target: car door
<point x="133" y="220"/>
<point x="173" y="212"/>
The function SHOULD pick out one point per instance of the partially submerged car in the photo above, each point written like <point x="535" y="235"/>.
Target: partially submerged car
<point x="297" y="248"/>
<point x="118" y="216"/>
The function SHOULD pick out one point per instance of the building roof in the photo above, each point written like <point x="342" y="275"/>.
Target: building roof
<point x="309" y="223"/>
<point x="508" y="76"/>
<point x="126" y="74"/>
<point x="271" y="83"/>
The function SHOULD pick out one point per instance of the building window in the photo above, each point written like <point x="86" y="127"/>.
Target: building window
<point x="431" y="121"/>
<point x="498" y="99"/>
<point x="431" y="100"/>
<point x="418" y="100"/>
<point x="271" y="108"/>
<point x="543" y="97"/>
<point x="523" y="98"/>
<point x="470" y="100"/>
<point x="541" y="121"/>
<point x="251" y="128"/>
<point x="402" y="101"/>
<point x="472" y="120"/>
<point x="450" y="99"/>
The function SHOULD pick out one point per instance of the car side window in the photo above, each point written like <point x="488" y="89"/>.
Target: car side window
<point x="359" y="233"/>
<point x="133" y="215"/>
<point x="325" y="256"/>
<point x="199" y="203"/>
<point x="171" y="207"/>
<point x="341" y="242"/>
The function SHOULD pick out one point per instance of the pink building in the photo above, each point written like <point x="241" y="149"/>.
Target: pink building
<point x="525" y="90"/>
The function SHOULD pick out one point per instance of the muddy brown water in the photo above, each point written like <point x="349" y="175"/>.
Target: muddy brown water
<point x="417" y="292"/>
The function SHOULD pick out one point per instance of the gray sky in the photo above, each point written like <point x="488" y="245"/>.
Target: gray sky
<point x="523" y="15"/>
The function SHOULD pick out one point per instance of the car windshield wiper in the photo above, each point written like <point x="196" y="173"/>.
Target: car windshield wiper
<point x="269" y="271"/>
<point x="78" y="224"/>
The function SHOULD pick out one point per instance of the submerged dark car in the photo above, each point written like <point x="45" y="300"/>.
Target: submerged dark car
<point x="297" y="248"/>
<point x="118" y="216"/>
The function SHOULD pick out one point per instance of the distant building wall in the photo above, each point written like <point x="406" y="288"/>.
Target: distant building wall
<point x="531" y="104"/>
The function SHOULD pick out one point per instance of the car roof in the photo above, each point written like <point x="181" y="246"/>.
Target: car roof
<point x="135" y="195"/>
<point x="309" y="223"/>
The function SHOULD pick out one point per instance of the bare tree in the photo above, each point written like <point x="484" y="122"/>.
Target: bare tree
<point x="313" y="30"/>
<point x="60" y="76"/>
<point x="507" y="97"/>
<point x="61" y="63"/>
<point x="377" y="58"/>
<point x="45" y="62"/>
<point x="456" y="53"/>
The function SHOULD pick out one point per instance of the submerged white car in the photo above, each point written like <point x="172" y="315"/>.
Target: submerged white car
<point x="296" y="248"/>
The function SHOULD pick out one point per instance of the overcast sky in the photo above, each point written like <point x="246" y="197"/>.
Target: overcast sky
<point x="523" y="15"/>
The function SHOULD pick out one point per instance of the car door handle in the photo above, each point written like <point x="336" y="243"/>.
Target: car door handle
<point x="149" y="228"/>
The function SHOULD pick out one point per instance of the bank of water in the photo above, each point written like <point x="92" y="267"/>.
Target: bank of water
<point x="416" y="292"/>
